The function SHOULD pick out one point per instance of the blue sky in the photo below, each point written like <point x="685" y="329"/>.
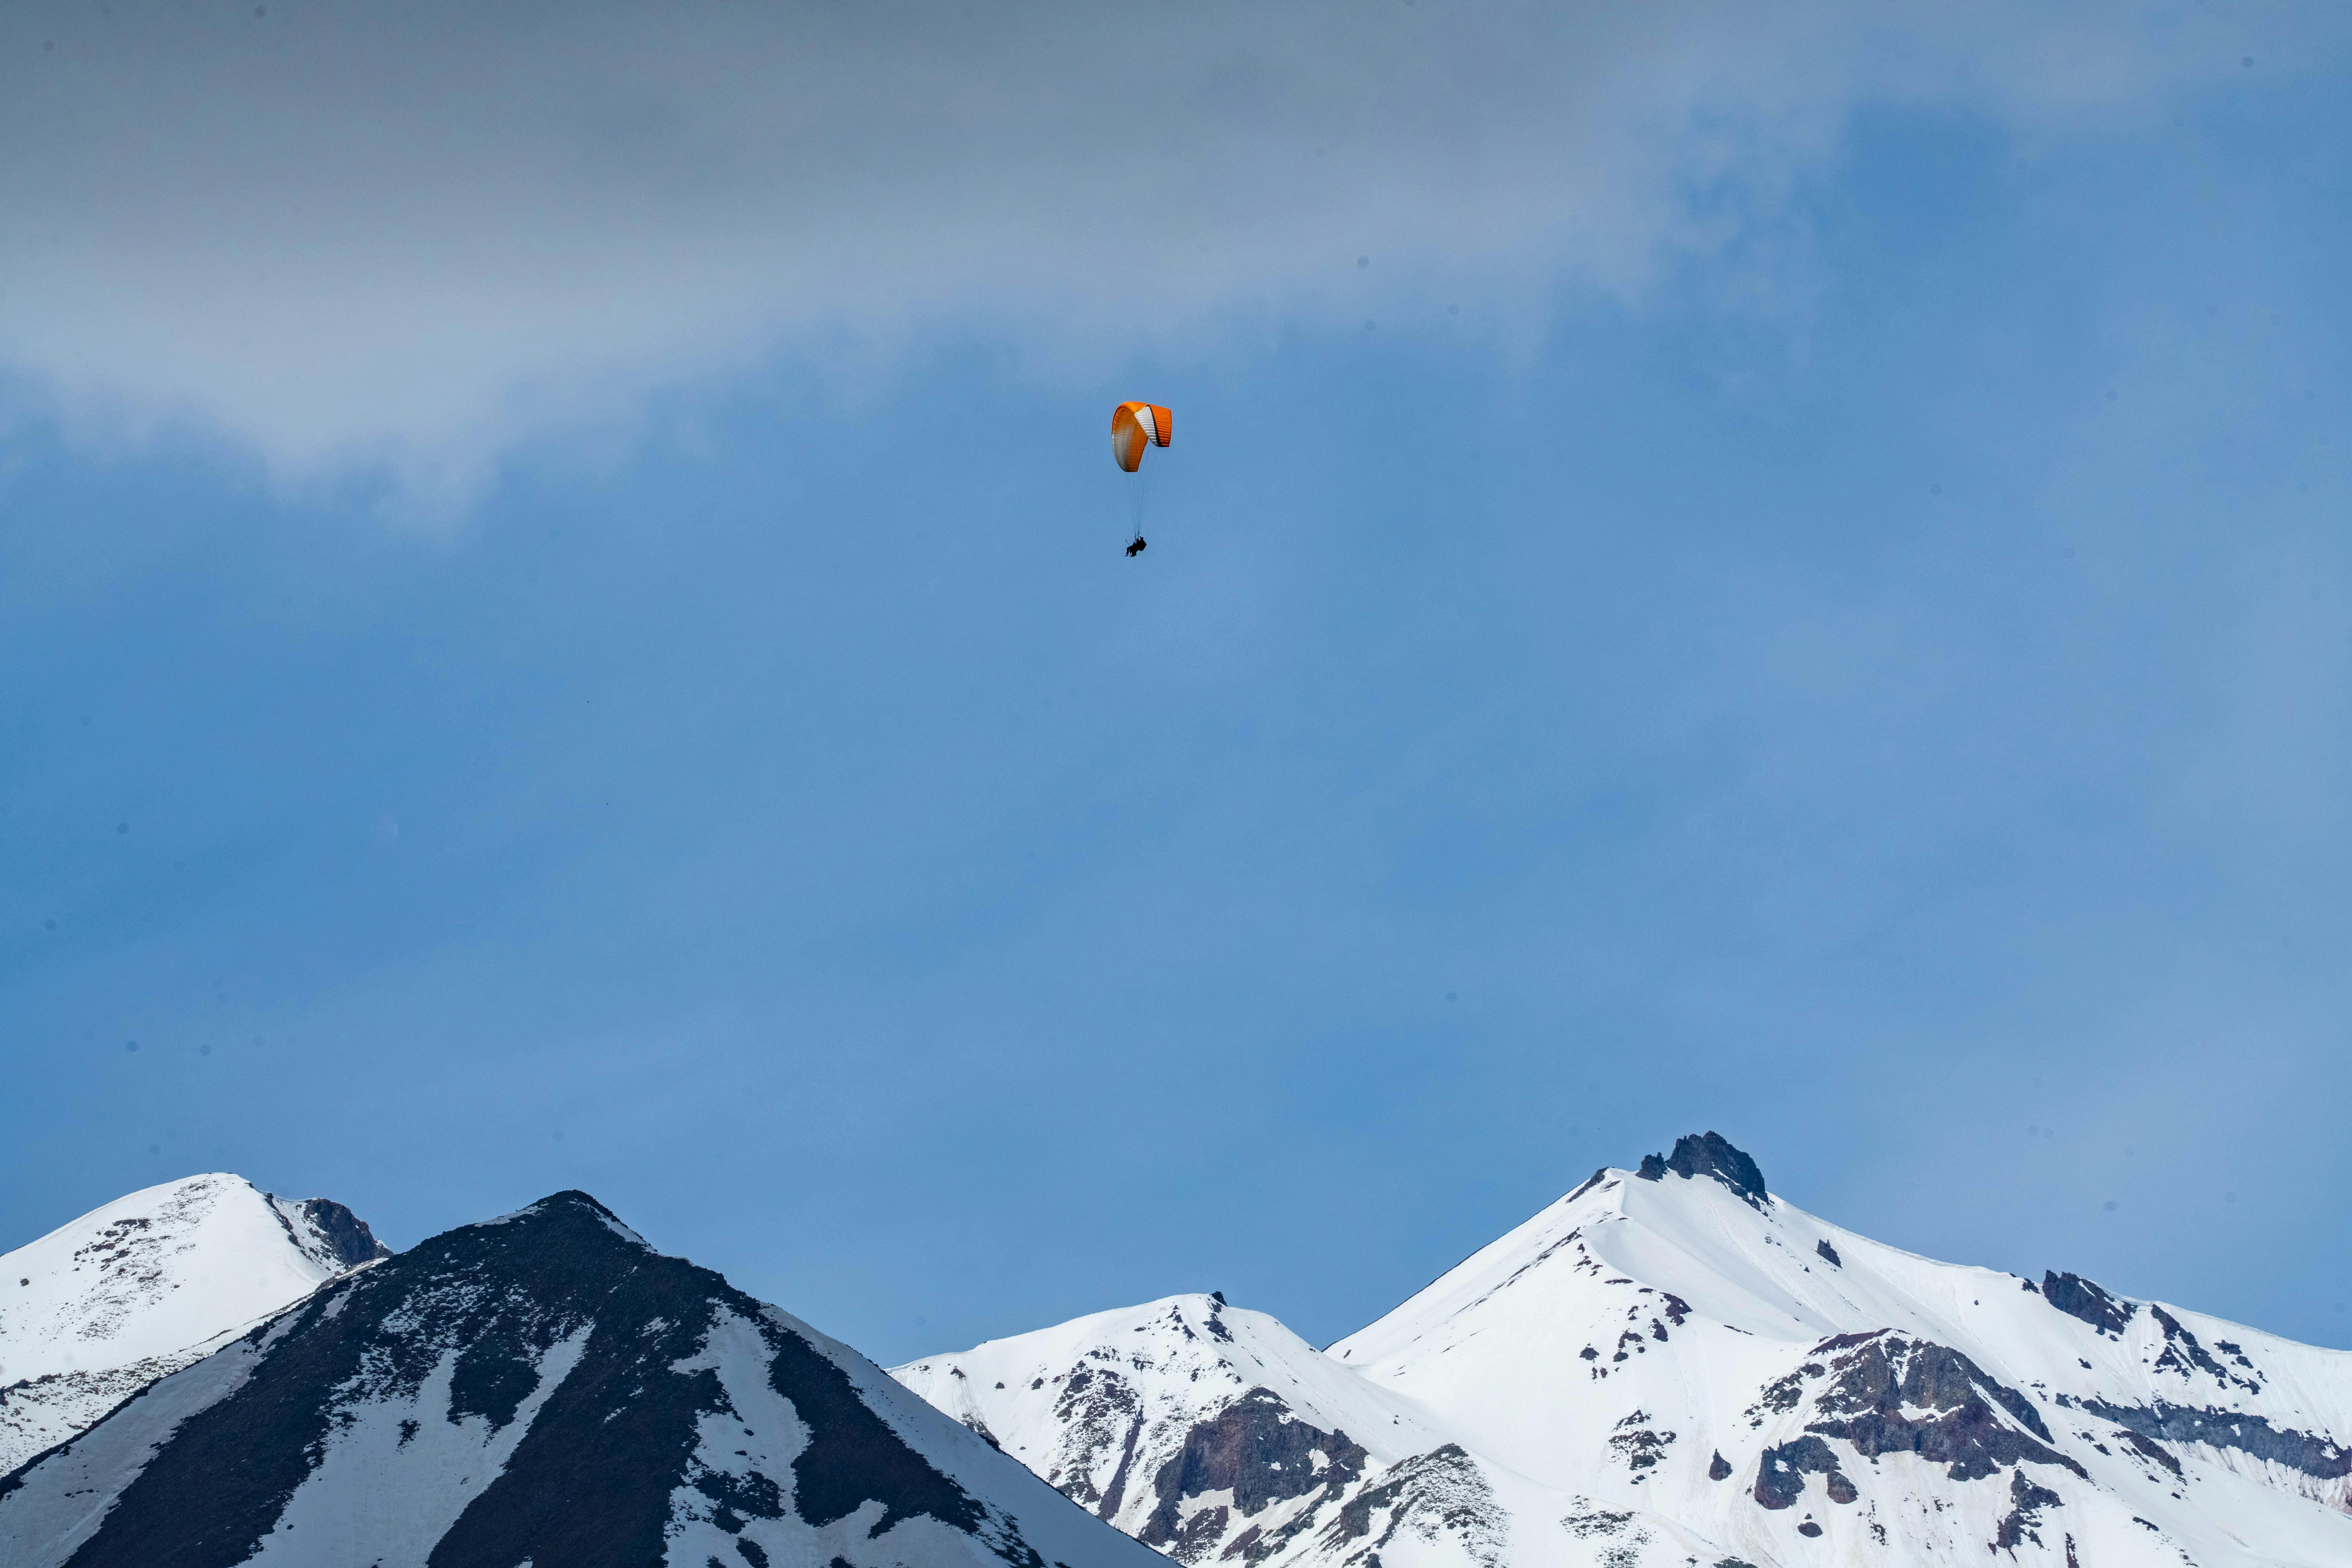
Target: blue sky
<point x="1816" y="609"/>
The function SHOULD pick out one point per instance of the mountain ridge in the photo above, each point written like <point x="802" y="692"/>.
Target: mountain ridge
<point x="1668" y="1366"/>
<point x="542" y="1387"/>
<point x="1670" y="1362"/>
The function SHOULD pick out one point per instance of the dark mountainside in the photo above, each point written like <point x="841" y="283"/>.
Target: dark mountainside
<point x="563" y="1293"/>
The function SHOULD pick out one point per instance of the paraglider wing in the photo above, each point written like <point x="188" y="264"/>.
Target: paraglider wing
<point x="1135" y="426"/>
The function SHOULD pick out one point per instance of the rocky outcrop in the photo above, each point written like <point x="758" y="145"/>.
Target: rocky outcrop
<point x="1709" y="1154"/>
<point x="1897" y="1395"/>
<point x="2078" y="1298"/>
<point x="1781" y="1475"/>
<point x="1434" y="1496"/>
<point x="1257" y="1452"/>
<point x="2026" y="1502"/>
<point x="347" y="1237"/>
<point x="2313" y="1454"/>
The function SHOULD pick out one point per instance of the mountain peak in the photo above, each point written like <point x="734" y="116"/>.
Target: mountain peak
<point x="1709" y="1154"/>
<point x="560" y="1212"/>
<point x="541" y="1387"/>
<point x="131" y="1291"/>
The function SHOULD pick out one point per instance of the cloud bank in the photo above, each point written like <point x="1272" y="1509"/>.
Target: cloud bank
<point x="406" y="235"/>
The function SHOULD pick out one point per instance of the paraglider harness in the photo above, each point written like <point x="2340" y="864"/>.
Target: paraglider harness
<point x="1137" y="548"/>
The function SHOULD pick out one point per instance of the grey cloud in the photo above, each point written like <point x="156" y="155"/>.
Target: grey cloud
<point x="408" y="233"/>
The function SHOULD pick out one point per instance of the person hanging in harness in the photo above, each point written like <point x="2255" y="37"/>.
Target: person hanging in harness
<point x="1137" y="548"/>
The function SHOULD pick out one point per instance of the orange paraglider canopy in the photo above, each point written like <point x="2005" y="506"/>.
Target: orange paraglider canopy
<point x="1135" y="426"/>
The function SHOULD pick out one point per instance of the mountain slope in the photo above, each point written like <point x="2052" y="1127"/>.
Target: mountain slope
<point x="547" y="1389"/>
<point x="1671" y="1365"/>
<point x="1214" y="1434"/>
<point x="100" y="1308"/>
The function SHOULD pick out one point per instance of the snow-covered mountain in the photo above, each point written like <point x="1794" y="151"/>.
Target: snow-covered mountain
<point x="97" y="1309"/>
<point x="542" y="1389"/>
<point x="1671" y="1366"/>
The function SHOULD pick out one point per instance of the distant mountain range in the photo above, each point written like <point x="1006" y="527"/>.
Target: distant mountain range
<point x="1667" y="1368"/>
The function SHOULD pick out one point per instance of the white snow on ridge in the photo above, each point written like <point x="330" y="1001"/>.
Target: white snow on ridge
<point x="101" y="1306"/>
<point x="1189" y="1354"/>
<point x="1113" y="1407"/>
<point x="1663" y="1371"/>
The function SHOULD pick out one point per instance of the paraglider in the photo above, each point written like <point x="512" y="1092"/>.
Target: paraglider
<point x="1133" y="428"/>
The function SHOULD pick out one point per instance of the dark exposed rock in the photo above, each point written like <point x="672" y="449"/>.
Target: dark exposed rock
<point x="1189" y="1540"/>
<point x="344" y="1232"/>
<point x="1590" y="1521"/>
<point x="1808" y="1529"/>
<point x="1847" y="1341"/>
<point x="1781" y="1474"/>
<point x="2026" y="1504"/>
<point x="1114" y="1495"/>
<point x="1261" y="1453"/>
<point x="1585" y="1187"/>
<point x="2079" y="1297"/>
<point x="1881" y="1381"/>
<point x="1780" y="1396"/>
<point x="2184" y="1355"/>
<point x="1709" y="1154"/>
<point x="1638" y="1447"/>
<point x="2151" y="1449"/>
<point x="1098" y="1409"/>
<point x="2311" y="1453"/>
<point x="1841" y="1489"/>
<point x="1718" y="1468"/>
<point x="1829" y="1252"/>
<point x="1440" y="1490"/>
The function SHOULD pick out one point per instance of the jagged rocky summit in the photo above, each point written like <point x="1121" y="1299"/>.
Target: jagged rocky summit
<point x="543" y="1389"/>
<point x="1671" y="1366"/>
<point x="100" y="1308"/>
